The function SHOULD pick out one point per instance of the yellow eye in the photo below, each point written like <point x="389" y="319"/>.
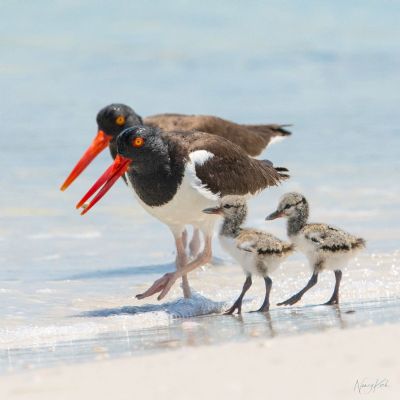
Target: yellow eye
<point x="138" y="142"/>
<point x="120" y="120"/>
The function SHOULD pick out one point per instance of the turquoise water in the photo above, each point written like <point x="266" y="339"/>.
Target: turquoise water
<point x="331" y="69"/>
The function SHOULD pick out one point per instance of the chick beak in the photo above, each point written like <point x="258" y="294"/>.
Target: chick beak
<point x="213" y="210"/>
<point x="276" y="214"/>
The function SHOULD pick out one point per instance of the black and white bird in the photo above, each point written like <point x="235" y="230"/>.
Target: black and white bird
<point x="175" y="176"/>
<point x="326" y="247"/>
<point x="257" y="251"/>
<point x="114" y="118"/>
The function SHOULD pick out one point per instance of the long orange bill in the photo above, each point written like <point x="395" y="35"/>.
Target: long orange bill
<point x="100" y="142"/>
<point x="105" y="182"/>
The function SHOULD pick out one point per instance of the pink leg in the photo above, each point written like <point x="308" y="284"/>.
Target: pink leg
<point x="194" y="245"/>
<point x="165" y="283"/>
<point x="181" y="261"/>
<point x="184" y="238"/>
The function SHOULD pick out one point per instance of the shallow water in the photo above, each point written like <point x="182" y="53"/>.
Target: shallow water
<point x="200" y="331"/>
<point x="104" y="320"/>
<point x="330" y="69"/>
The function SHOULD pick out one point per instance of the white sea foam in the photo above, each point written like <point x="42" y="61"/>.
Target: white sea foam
<point x="94" y="323"/>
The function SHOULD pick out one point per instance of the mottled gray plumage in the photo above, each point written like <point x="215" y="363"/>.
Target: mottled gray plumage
<point x="326" y="247"/>
<point x="257" y="251"/>
<point x="323" y="238"/>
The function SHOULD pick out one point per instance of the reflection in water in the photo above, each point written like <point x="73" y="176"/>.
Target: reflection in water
<point x="270" y="326"/>
<point x="205" y="330"/>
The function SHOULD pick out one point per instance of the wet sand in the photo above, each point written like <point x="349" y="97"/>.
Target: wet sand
<point x="177" y="333"/>
<point x="339" y="364"/>
<point x="107" y="326"/>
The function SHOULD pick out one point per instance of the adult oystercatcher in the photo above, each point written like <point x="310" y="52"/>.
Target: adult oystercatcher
<point x="175" y="176"/>
<point x="114" y="118"/>
<point x="326" y="247"/>
<point x="258" y="252"/>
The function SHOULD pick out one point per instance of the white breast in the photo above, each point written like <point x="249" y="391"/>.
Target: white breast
<point x="331" y="261"/>
<point x="306" y="247"/>
<point x="246" y="259"/>
<point x="302" y="244"/>
<point x="185" y="208"/>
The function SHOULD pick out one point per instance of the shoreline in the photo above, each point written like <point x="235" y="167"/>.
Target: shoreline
<point x="330" y="364"/>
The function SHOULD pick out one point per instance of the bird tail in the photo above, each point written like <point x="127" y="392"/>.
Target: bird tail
<point x="271" y="130"/>
<point x="288" y="248"/>
<point x="359" y="244"/>
<point x="281" y="171"/>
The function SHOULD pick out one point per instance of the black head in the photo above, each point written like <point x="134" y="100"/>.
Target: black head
<point x="114" y="118"/>
<point x="111" y="120"/>
<point x="143" y="145"/>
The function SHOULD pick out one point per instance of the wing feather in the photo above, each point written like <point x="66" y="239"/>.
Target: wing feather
<point x="253" y="139"/>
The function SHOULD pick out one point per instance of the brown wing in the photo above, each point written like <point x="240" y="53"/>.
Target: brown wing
<point x="230" y="170"/>
<point x="253" y="139"/>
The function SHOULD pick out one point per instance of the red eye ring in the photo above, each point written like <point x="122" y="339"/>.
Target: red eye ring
<point x="138" y="142"/>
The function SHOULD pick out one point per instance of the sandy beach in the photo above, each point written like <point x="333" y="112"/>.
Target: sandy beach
<point x="337" y="364"/>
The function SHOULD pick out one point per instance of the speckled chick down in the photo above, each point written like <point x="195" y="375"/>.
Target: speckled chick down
<point x="325" y="246"/>
<point x="257" y="251"/>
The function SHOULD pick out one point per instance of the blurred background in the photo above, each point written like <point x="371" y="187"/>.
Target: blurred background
<point x="329" y="68"/>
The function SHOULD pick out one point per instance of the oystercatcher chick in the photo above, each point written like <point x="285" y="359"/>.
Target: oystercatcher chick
<point x="326" y="247"/>
<point x="257" y="251"/>
<point x="176" y="175"/>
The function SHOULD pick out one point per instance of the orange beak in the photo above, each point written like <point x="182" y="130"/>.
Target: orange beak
<point x="104" y="183"/>
<point x="100" y="142"/>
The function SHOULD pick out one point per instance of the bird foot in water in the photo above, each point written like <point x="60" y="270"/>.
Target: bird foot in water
<point x="332" y="302"/>
<point x="235" y="307"/>
<point x="162" y="285"/>
<point x="289" y="302"/>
